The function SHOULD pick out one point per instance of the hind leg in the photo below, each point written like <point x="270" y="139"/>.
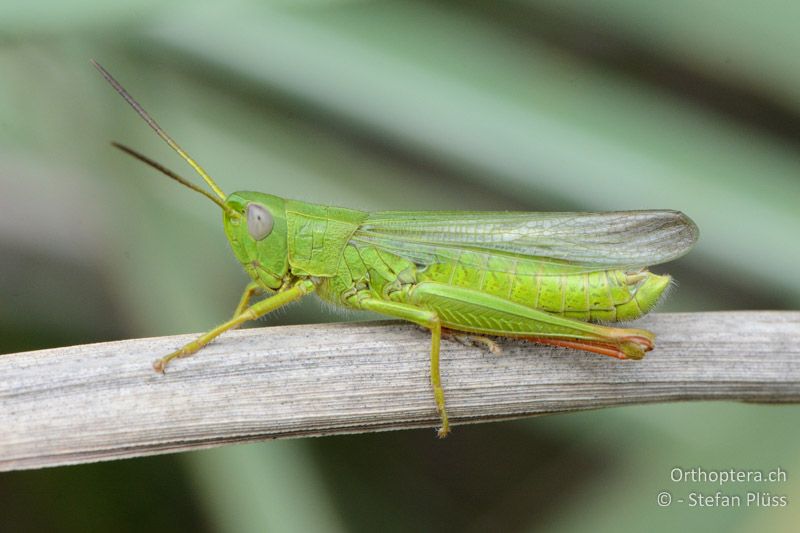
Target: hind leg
<point x="465" y="309"/>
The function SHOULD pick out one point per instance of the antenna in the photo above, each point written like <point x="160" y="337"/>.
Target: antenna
<point x="163" y="134"/>
<point x="183" y="181"/>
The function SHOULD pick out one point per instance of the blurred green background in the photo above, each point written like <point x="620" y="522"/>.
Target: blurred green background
<point x="546" y="105"/>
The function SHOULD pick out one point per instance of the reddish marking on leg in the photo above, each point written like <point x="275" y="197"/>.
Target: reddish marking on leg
<point x="588" y="346"/>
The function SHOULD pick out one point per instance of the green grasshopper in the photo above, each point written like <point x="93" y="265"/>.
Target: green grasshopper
<point x="544" y="277"/>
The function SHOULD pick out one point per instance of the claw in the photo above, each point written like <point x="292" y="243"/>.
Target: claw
<point x="469" y="339"/>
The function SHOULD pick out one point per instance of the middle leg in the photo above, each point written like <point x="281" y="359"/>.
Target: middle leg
<point x="429" y="320"/>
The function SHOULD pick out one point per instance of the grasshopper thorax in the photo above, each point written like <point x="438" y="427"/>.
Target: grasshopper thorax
<point x="257" y="234"/>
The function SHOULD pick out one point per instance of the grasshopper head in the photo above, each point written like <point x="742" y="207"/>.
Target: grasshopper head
<point x="257" y="233"/>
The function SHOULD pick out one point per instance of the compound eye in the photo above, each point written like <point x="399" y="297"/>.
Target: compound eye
<point x="259" y="221"/>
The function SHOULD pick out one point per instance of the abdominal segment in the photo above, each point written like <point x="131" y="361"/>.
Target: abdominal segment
<point x="603" y="295"/>
<point x="556" y="288"/>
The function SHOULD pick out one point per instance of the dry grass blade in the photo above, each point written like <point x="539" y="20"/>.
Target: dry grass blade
<point x="103" y="401"/>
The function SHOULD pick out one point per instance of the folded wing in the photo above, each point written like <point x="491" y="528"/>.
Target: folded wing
<point x="554" y="242"/>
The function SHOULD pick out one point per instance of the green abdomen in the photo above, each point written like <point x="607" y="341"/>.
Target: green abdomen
<point x="605" y="295"/>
